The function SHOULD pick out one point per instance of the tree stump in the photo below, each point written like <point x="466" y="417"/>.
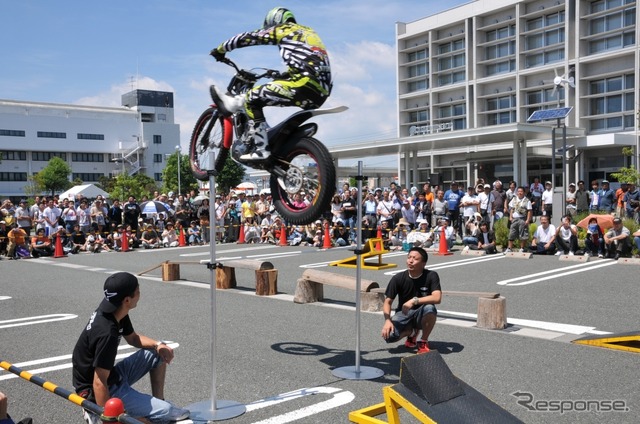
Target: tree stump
<point x="170" y="272"/>
<point x="492" y="313"/>
<point x="308" y="292"/>
<point x="225" y="278"/>
<point x="267" y="282"/>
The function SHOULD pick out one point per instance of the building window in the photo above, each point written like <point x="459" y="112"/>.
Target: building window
<point x="157" y="139"/>
<point x="87" y="157"/>
<point x="419" y="85"/>
<point x="12" y="133"/>
<point x="87" y="176"/>
<point x="157" y="176"/>
<point x="612" y="96"/>
<point x="157" y="158"/>
<point x="13" y="176"/>
<point x="417" y="70"/>
<point x="419" y="116"/>
<point x="501" y="33"/>
<point x="46" y="156"/>
<point x="50" y="134"/>
<point x="419" y="55"/>
<point x="501" y="67"/>
<point x="617" y="28"/>
<point x="162" y="117"/>
<point x="82" y="136"/>
<point x="13" y="155"/>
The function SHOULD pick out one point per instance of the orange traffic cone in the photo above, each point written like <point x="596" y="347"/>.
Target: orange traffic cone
<point x="181" y="240"/>
<point x="379" y="237"/>
<point x="59" y="252"/>
<point x="241" y="239"/>
<point x="283" y="236"/>
<point x="124" y="242"/>
<point x="444" y="246"/>
<point x="326" y="243"/>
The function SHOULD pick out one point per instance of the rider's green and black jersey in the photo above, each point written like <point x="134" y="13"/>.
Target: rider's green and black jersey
<point x="300" y="47"/>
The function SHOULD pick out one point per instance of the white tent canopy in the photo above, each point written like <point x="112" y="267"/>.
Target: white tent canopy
<point x="90" y="191"/>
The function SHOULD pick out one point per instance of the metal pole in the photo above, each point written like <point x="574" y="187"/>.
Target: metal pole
<point x="213" y="410"/>
<point x="179" y="185"/>
<point x="357" y="372"/>
<point x="564" y="168"/>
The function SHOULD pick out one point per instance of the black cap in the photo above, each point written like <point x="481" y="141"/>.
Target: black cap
<point x="116" y="287"/>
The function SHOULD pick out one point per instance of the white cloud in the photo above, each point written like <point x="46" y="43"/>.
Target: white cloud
<point x="112" y="97"/>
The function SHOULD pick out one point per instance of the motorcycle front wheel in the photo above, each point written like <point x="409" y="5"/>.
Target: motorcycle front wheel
<point x="207" y="140"/>
<point x="304" y="193"/>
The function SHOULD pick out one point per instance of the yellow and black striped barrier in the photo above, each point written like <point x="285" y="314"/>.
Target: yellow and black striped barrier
<point x="70" y="396"/>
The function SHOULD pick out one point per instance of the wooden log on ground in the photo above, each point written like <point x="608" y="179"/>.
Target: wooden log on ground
<point x="225" y="278"/>
<point x="170" y="271"/>
<point x="492" y="313"/>
<point x="308" y="292"/>
<point x="488" y="295"/>
<point x="338" y="280"/>
<point x="266" y="282"/>
<point x="248" y="264"/>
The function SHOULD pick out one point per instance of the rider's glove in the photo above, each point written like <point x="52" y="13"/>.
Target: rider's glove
<point x="217" y="54"/>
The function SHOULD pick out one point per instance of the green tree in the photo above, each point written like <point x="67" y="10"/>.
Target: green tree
<point x="33" y="187"/>
<point x="232" y="174"/>
<point x="138" y="185"/>
<point x="627" y="174"/>
<point x="170" y="175"/>
<point x="55" y="176"/>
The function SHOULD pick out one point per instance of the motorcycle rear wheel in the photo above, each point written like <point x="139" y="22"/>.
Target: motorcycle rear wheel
<point x="207" y="139"/>
<point x="311" y="173"/>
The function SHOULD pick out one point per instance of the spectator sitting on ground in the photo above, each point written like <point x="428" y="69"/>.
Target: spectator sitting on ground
<point x="17" y="239"/>
<point x="251" y="231"/>
<point x="134" y="241"/>
<point x="41" y="244"/>
<point x="594" y="242"/>
<point x="77" y="240"/>
<point x="265" y="227"/>
<point x="472" y="230"/>
<point x="567" y="237"/>
<point x="193" y="234"/>
<point x="274" y="232"/>
<point x="317" y="239"/>
<point x="544" y="238"/>
<point x="399" y="234"/>
<point x="116" y="238"/>
<point x="95" y="242"/>
<point x="486" y="239"/>
<point x="150" y="239"/>
<point x="449" y="233"/>
<point x="421" y="236"/>
<point x="618" y="240"/>
<point x="340" y="234"/>
<point x="169" y="236"/>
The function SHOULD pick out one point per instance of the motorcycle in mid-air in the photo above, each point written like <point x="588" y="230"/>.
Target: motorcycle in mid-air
<point x="303" y="176"/>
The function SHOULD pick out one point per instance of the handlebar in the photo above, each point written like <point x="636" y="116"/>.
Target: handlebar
<point x="268" y="73"/>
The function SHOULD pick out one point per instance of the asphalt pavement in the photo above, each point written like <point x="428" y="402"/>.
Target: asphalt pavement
<point x="276" y="357"/>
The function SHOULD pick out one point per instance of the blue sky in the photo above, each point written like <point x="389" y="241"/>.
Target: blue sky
<point x="85" y="52"/>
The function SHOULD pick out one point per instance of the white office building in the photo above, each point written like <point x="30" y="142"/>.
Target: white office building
<point x="94" y="141"/>
<point x="470" y="77"/>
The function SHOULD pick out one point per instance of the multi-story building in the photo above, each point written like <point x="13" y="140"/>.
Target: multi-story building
<point x="470" y="77"/>
<point x="94" y="141"/>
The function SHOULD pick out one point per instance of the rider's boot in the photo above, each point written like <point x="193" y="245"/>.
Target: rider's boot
<point x="228" y="105"/>
<point x="257" y="142"/>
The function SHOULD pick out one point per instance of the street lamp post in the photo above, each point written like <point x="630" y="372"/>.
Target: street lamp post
<point x="179" y="154"/>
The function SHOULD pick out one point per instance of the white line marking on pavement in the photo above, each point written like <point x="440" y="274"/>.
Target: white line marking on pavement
<point x="19" y="322"/>
<point x="5" y="297"/>
<point x="231" y="251"/>
<point x="338" y="399"/>
<point x="461" y="262"/>
<point x="555" y="273"/>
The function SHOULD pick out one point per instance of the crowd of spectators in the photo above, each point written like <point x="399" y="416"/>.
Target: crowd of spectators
<point x="403" y="217"/>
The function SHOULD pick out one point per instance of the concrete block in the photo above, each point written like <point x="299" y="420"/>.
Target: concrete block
<point x="519" y="255"/>
<point x="574" y="258"/>
<point x="629" y="261"/>
<point x="470" y="252"/>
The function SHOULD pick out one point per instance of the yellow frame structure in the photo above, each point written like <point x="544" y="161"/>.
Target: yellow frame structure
<point x="393" y="401"/>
